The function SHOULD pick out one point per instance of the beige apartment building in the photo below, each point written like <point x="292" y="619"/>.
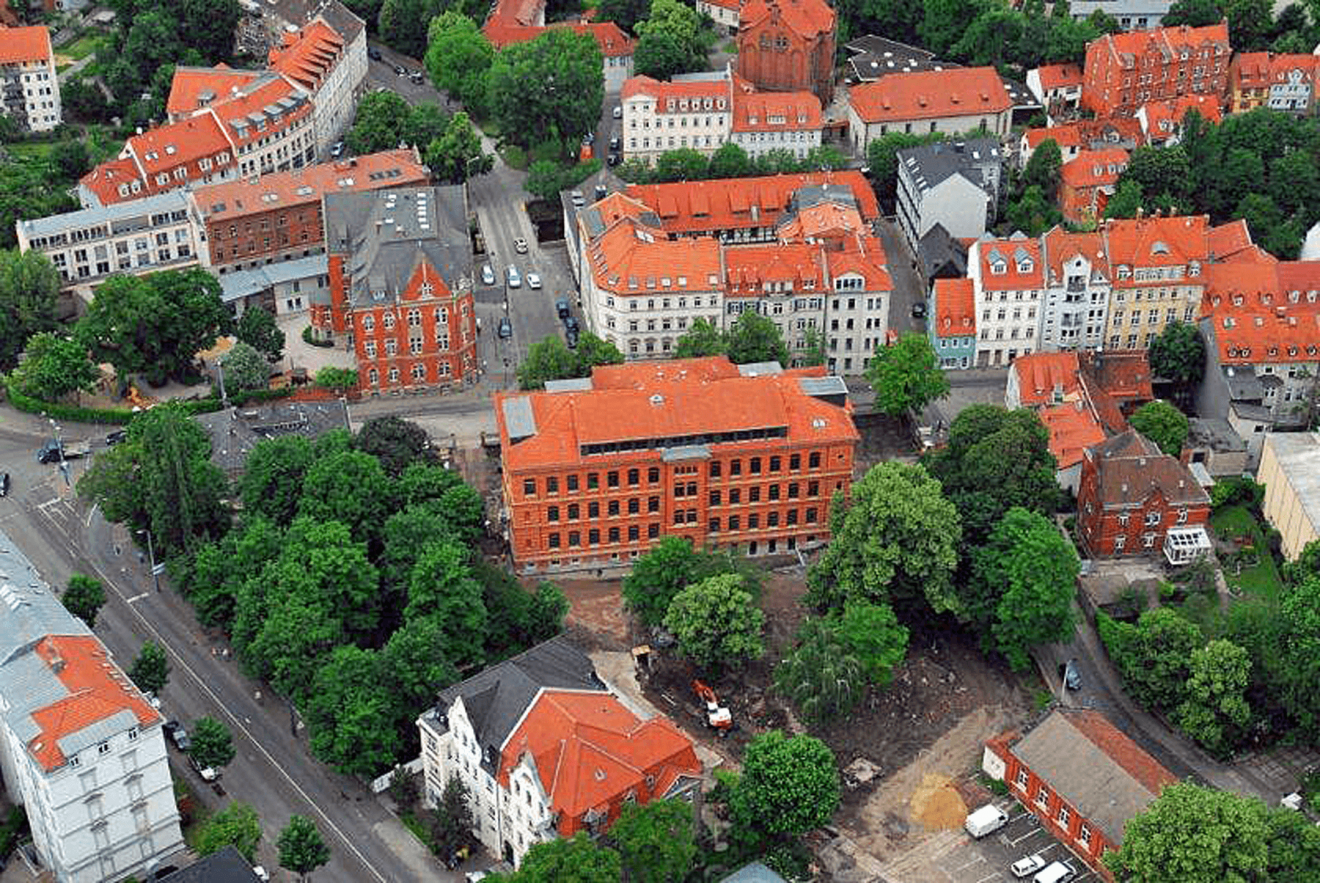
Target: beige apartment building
<point x="1290" y="470"/>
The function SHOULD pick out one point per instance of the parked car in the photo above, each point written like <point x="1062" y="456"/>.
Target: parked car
<point x="116" y="437"/>
<point x="417" y="77"/>
<point x="533" y="280"/>
<point x="487" y="275"/>
<point x="337" y="150"/>
<point x="1057" y="872"/>
<point x="506" y="328"/>
<point x="400" y="70"/>
<point x="561" y="307"/>
<point x="588" y="138"/>
<point x="4" y="484"/>
<point x="1024" y="867"/>
<point x="373" y="53"/>
<point x="578" y="199"/>
<point x="986" y="820"/>
<point x="207" y="773"/>
<point x="520" y="245"/>
<point x="571" y="338"/>
<point x="1072" y="677"/>
<point x="177" y="734"/>
<point x="617" y="112"/>
<point x="613" y="160"/>
<point x="614" y="142"/>
<point x="49" y="452"/>
<point x="601" y="192"/>
<point x="261" y="873"/>
<point x="512" y="277"/>
<point x="918" y="309"/>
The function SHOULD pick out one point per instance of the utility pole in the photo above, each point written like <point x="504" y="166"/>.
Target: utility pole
<point x="151" y="555"/>
<point x="59" y="444"/>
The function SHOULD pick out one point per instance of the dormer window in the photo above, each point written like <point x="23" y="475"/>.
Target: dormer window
<point x="1123" y="271"/>
<point x="998" y="267"/>
<point x="1024" y="266"/>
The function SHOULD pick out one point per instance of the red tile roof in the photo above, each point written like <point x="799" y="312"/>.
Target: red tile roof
<point x="1229" y="239"/>
<point x="675" y="398"/>
<point x="389" y="168"/>
<point x="864" y="257"/>
<point x="193" y="88"/>
<point x="964" y="91"/>
<point x="1162" y="119"/>
<point x="19" y="45"/>
<point x="792" y="110"/>
<point x="1069" y="135"/>
<point x="1249" y="70"/>
<point x="590" y="752"/>
<point x="1059" y="76"/>
<point x="1073" y="428"/>
<point x="1168" y="41"/>
<point x="807" y="18"/>
<point x="1123" y="374"/>
<point x="103" y="181"/>
<point x="97" y="690"/>
<point x="824" y="220"/>
<point x="174" y="144"/>
<point x="1094" y="168"/>
<point x="633" y="259"/>
<point x="732" y="203"/>
<point x="1010" y="251"/>
<point x="1062" y="246"/>
<point x="955" y="308"/>
<point x="663" y="90"/>
<point x="254" y="100"/>
<point x="748" y="268"/>
<point x="1039" y="374"/>
<point x="1155" y="242"/>
<point x="613" y="42"/>
<point x="1264" y="313"/>
<point x="308" y="56"/>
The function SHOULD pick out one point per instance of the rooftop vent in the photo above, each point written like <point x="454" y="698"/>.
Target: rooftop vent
<point x="657" y="399"/>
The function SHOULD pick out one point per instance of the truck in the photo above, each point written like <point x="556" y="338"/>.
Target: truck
<point x="986" y="820"/>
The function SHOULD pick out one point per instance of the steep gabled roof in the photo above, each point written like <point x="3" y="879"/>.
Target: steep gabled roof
<point x="806" y="18"/>
<point x="1130" y="467"/>
<point x="931" y="94"/>
<point x="19" y="45"/>
<point x="1094" y="168"/>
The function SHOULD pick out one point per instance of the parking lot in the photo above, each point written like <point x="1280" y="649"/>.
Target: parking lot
<point x="955" y="857"/>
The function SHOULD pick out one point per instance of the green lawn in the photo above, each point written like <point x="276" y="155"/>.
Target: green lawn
<point x="34" y="149"/>
<point x="82" y="47"/>
<point x="1262" y="579"/>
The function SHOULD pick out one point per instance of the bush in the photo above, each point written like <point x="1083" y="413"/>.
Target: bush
<point x="1130" y="604"/>
<point x="1237" y="489"/>
<point x="308" y="338"/>
<point x="75" y="413"/>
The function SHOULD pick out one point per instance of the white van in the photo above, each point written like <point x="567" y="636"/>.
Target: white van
<point x="1055" y="872"/>
<point x="986" y="820"/>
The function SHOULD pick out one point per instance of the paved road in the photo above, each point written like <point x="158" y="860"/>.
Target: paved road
<point x="273" y="770"/>
<point x="908" y="285"/>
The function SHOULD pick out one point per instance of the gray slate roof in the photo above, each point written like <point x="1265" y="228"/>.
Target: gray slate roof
<point x="336" y="14"/>
<point x="934" y="163"/>
<point x="246" y="283"/>
<point x="236" y="431"/>
<point x="754" y="873"/>
<point x="385" y="234"/>
<point x="941" y="255"/>
<point x="225" y="866"/>
<point x="496" y="698"/>
<point x="134" y="214"/>
<point x="29" y="610"/>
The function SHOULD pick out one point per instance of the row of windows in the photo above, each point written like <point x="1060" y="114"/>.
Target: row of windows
<point x="614" y="508"/>
<point x="1064" y="815"/>
<point x="615" y="478"/>
<point x="734" y="522"/>
<point x="612" y="534"/>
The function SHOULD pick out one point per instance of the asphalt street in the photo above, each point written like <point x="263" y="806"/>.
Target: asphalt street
<point x="273" y="770"/>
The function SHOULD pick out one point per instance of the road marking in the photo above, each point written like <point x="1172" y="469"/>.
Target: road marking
<point x="1026" y="836"/>
<point x="88" y="522"/>
<point x="160" y="639"/>
<point x="137" y="597"/>
<point x="975" y="861"/>
<point x="993" y="876"/>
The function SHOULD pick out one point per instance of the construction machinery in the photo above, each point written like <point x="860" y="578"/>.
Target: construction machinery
<point x="718" y="717"/>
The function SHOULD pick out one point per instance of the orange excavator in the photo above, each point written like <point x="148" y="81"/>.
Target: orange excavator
<point x="718" y="717"/>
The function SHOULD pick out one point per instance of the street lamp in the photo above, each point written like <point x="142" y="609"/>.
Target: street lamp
<point x="151" y="553"/>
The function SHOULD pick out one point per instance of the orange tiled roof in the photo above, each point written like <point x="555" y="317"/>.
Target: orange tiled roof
<point x="730" y="203"/>
<point x="1059" y="76"/>
<point x="1155" y="242"/>
<point x="1228" y="239"/>
<point x="797" y="110"/>
<point x="633" y="259"/>
<point x="97" y="690"/>
<point x="389" y="168"/>
<point x="308" y="56"/>
<point x="1250" y="70"/>
<point x="964" y="91"/>
<point x="825" y="219"/>
<point x="1121" y="749"/>
<point x="590" y="752"/>
<point x="1163" y="118"/>
<point x="1094" y="168"/>
<point x="193" y="88"/>
<point x="807" y="18"/>
<point x="255" y="101"/>
<point x="662" y="90"/>
<point x="18" y="45"/>
<point x="673" y="398"/>
<point x="864" y="257"/>
<point x="104" y="179"/>
<point x="1264" y="313"/>
<point x="1168" y="41"/>
<point x="1123" y="374"/>
<point x="733" y="5"/>
<point x="1069" y="135"/>
<point x="1010" y="251"/>
<point x="1282" y="65"/>
<point x="955" y="308"/>
<point x="175" y="144"/>
<point x="613" y="42"/>
<point x="1039" y="374"/>
<point x="749" y="267"/>
<point x="1062" y="246"/>
<point x="1073" y="428"/>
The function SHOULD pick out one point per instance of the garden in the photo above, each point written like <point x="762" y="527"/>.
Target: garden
<point x="1244" y="553"/>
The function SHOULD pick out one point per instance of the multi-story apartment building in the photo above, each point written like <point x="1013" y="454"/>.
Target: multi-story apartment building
<point x="597" y="470"/>
<point x="954" y="184"/>
<point x="28" y="87"/>
<point x="787" y="46"/>
<point x="1009" y="282"/>
<point x="1077" y="291"/>
<point x="765" y="121"/>
<point x="400" y="299"/>
<point x="1280" y="82"/>
<point x="1087" y="181"/>
<point x="142" y="236"/>
<point x="1131" y="15"/>
<point x="81" y="750"/>
<point x="1125" y="71"/>
<point x="724" y="13"/>
<point x="952" y="328"/>
<point x="1157" y="275"/>
<point x="1057" y="87"/>
<point x="277" y="217"/>
<point x="532" y="738"/>
<point x="327" y="57"/>
<point x="1162" y="121"/>
<point x="692" y="110"/>
<point x="954" y="102"/>
<point x="1289" y="463"/>
<point x="1136" y="500"/>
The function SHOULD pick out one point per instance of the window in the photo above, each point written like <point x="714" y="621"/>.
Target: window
<point x="735" y="496"/>
<point x="552" y="513"/>
<point x="1152" y="518"/>
<point x="653" y="504"/>
<point x="653" y="529"/>
<point x="1084" y="835"/>
<point x="1064" y="815"/>
<point x="1119" y="543"/>
<point x="572" y="482"/>
<point x="754" y="495"/>
<point x="774" y="491"/>
<point x="633" y="533"/>
<point x="574" y="538"/>
<point x="613" y="508"/>
<point x="612" y="479"/>
<point x="529" y="487"/>
<point x="552" y="485"/>
<point x="811" y="515"/>
<point x="713" y="526"/>
<point x="653" y="475"/>
<point x="553" y="541"/>
<point x="714" y="498"/>
<point x="734" y="522"/>
<point x="735" y="467"/>
<point x="614" y="534"/>
<point x="1043" y="797"/>
<point x="574" y="512"/>
<point x="634" y="506"/>
<point x="793" y="490"/>
<point x="593" y="509"/>
<point x="634" y="477"/>
<point x="593" y="481"/>
<point x="754" y="467"/>
<point x="1021" y="779"/>
<point x="813" y="489"/>
<point x="814" y="460"/>
<point x="714" y="468"/>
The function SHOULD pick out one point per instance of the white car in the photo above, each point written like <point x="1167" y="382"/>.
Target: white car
<point x="512" y="278"/>
<point x="1025" y="867"/>
<point x="533" y="280"/>
<point x="487" y="275"/>
<point x="617" y="112"/>
<point x="261" y="873"/>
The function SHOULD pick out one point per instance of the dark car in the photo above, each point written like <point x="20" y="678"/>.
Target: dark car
<point x="116" y="437"/>
<point x="417" y="77"/>
<point x="918" y="309"/>
<point x="614" y="159"/>
<point x="1072" y="678"/>
<point x="561" y="307"/>
<point x="49" y="452"/>
<point x="374" y="54"/>
<point x="4" y="484"/>
<point x="571" y="338"/>
<point x="400" y="70"/>
<point x="178" y="735"/>
<point x="571" y="324"/>
<point x="505" y="329"/>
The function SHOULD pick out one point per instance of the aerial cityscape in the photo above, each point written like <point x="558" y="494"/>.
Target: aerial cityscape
<point x="660" y="441"/>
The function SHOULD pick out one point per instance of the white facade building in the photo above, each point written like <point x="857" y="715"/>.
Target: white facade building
<point x="954" y="184"/>
<point x="80" y="748"/>
<point x="29" y="90"/>
<point x="693" y="111"/>
<point x="1077" y="289"/>
<point x="328" y="58"/>
<point x="1009" y="286"/>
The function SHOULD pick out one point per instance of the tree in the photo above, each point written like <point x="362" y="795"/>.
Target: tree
<point x="812" y="347"/>
<point x="1215" y="711"/>
<point x="457" y="155"/>
<point x="84" y="100"/>
<point x="1194" y="835"/>
<point x="1294" y="847"/>
<point x="350" y="487"/>
<point x="1026" y="579"/>
<point x="414" y="667"/>
<point x="670" y="566"/>
<point x="551" y="359"/>
<point x="151" y="669"/>
<point x="680" y="164"/>
<point x="1153" y="655"/>
<point x="257" y="328"/>
<point x="25" y="192"/>
<point x="788" y="785"/>
<point x="1032" y="213"/>
<point x="545" y="179"/>
<point x="573" y="859"/>
<point x="670" y="41"/>
<point x="1300" y="653"/>
<point x="756" y="338"/>
<point x="354" y="724"/>
<point x="701" y="339"/>
<point x="945" y="21"/>
<point x="716" y="622"/>
<point x="70" y="159"/>
<point x="458" y="58"/>
<point x="212" y="745"/>
<point x="906" y="376"/>
<point x="820" y="677"/>
<point x="896" y="538"/>
<point x="1126" y="201"/>
<point x="54" y="367"/>
<point x="396" y="443"/>
<point x="441" y="588"/>
<point x="1178" y="353"/>
<point x="302" y="849"/>
<point x="451" y="824"/>
<point x="155" y="324"/>
<point x="1163" y="424"/>
<point x="236" y="825"/>
<point x="655" y="841"/>
<point x="338" y="379"/>
<point x="872" y="634"/>
<point x="729" y="161"/>
<point x="624" y="13"/>
<point x="1161" y="172"/>
<point x="29" y="288"/>
<point x="549" y="87"/>
<point x="84" y="598"/>
<point x="378" y="123"/>
<point x="403" y="24"/>
<point x="1193" y="13"/>
<point x="273" y="477"/>
<point x="245" y="368"/>
<point x="1042" y="169"/>
<point x="181" y="489"/>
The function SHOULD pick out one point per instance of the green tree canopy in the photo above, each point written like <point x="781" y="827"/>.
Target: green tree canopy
<point x="680" y="164"/>
<point x="701" y="339"/>
<point x="236" y="825"/>
<point x="820" y="676"/>
<point x="1178" y="353"/>
<point x="84" y="597"/>
<point x="25" y="192"/>
<point x="755" y="338"/>
<point x="457" y="155"/>
<point x="1153" y="655"/>
<point x="548" y="88"/>
<point x="338" y="379"/>
<point x="906" y="376"/>
<point x="1215" y="711"/>
<point x="245" y="368"/>
<point x="551" y="359"/>
<point x="396" y="443"/>
<point x="354" y="724"/>
<point x="151" y="669"/>
<point x="788" y="785"/>
<point x="1042" y="169"/>
<point x="670" y="566"/>
<point x="54" y="367"/>
<point x="729" y="161"/>
<point x="624" y="13"/>
<point x="655" y="841"/>
<point x="350" y="487"/>
<point x="1300" y="653"/>
<point x="29" y="287"/>
<point x="1163" y="424"/>
<point x="896" y="537"/>
<point x="458" y="58"/>
<point x="716" y="622"/>
<point x="573" y="859"/>
<point x="670" y="41"/>
<point x="442" y="588"/>
<point x="273" y="477"/>
<point x="212" y="744"/>
<point x="871" y="633"/>
<point x="302" y="848"/>
<point x="378" y="122"/>
<point x="1033" y="212"/>
<point x="257" y="328"/>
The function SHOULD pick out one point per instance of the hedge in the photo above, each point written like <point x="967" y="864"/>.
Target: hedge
<point x="121" y="416"/>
